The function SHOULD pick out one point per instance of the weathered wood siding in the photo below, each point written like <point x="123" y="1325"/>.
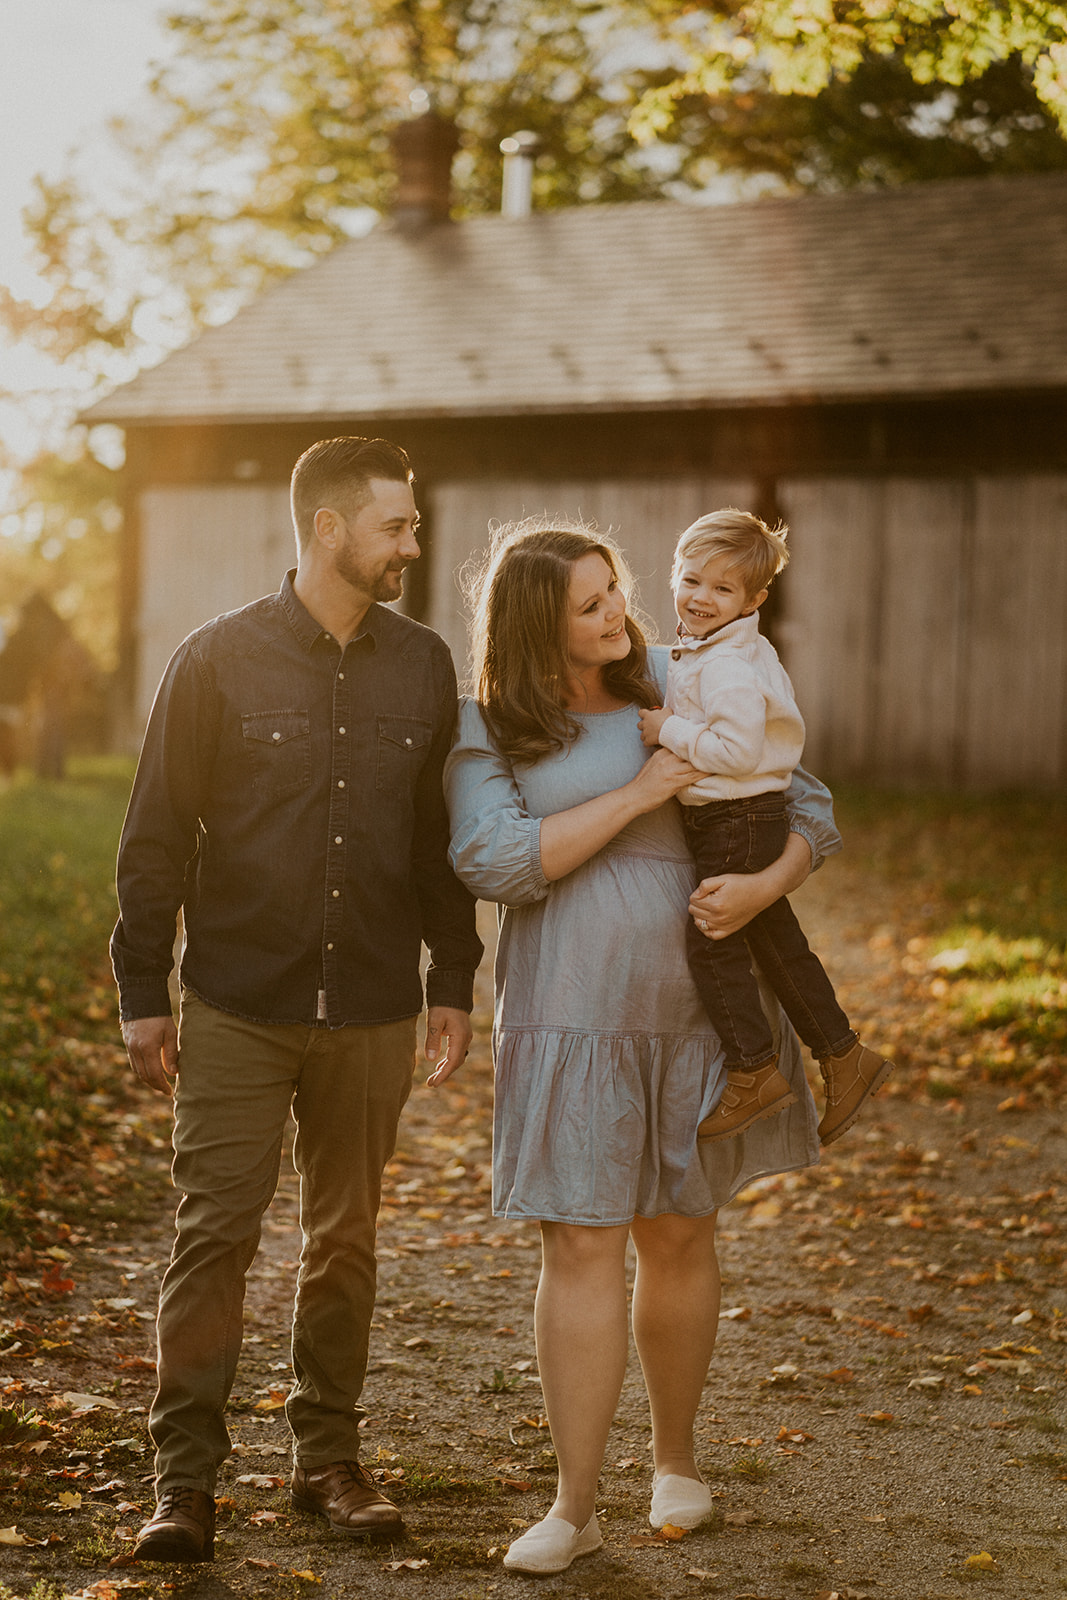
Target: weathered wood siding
<point x="206" y="550"/>
<point x="645" y="516"/>
<point x="923" y="627"/>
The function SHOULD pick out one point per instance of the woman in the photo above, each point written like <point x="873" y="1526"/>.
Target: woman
<point x="605" y="1060"/>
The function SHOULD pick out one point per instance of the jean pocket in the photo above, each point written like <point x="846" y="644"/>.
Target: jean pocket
<point x="278" y="747"/>
<point x="403" y="745"/>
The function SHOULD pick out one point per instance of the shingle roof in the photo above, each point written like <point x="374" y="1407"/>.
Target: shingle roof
<point x="948" y="287"/>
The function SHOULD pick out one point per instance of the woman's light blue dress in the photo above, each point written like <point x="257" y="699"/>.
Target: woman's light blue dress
<point x="605" y="1058"/>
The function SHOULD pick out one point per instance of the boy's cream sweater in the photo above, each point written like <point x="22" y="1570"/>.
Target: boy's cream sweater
<point x="732" y="714"/>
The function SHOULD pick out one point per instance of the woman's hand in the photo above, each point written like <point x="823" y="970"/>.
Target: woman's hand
<point x="662" y="777"/>
<point x="721" y="905"/>
<point x="569" y="838"/>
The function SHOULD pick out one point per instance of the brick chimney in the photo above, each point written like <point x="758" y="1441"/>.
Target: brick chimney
<point x="423" y="148"/>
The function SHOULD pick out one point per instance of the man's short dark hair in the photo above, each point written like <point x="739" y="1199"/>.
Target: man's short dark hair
<point x="338" y="473"/>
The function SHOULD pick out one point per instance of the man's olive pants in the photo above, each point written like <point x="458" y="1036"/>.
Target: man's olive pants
<point x="237" y="1083"/>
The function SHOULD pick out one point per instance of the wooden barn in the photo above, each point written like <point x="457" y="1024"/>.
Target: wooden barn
<point x="886" y="371"/>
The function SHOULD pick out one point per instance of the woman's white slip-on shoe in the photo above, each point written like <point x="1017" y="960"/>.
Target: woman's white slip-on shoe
<point x="682" y="1502"/>
<point x="551" y="1545"/>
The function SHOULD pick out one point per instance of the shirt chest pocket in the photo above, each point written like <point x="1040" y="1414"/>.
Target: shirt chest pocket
<point x="403" y="745"/>
<point x="277" y="746"/>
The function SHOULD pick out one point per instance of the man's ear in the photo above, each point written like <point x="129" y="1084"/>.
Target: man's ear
<point x="329" y="527"/>
<point x="755" y="603"/>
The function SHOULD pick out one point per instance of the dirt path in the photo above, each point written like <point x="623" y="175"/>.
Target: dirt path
<point x="885" y="1414"/>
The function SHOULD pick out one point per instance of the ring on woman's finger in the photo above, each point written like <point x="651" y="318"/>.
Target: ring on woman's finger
<point x="702" y="925"/>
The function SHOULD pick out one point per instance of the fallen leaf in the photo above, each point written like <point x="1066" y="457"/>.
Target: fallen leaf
<point x="69" y="1500"/>
<point x="417" y="1343"/>
<point x="736" y="1314"/>
<point x="261" y="1518"/>
<point x="699" y="1572"/>
<point x="410" y="1564"/>
<point x="86" y="1402"/>
<point x="739" y="1519"/>
<point x="793" y="1436"/>
<point x="261" y="1480"/>
<point x="669" y="1531"/>
<point x="842" y="1375"/>
<point x="307" y="1575"/>
<point x="983" y="1561"/>
<point x="12" y="1536"/>
<point x="254" y="1561"/>
<point x="880" y="1419"/>
<point x="53" y="1281"/>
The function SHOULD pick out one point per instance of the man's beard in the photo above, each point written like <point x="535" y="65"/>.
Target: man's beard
<point x="380" y="584"/>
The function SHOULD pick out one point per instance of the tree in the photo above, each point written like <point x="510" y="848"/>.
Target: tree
<point x="825" y="93"/>
<point x="270" y="135"/>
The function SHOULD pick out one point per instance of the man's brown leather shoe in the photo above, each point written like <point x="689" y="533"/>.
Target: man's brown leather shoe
<point x="182" y="1528"/>
<point x="345" y="1494"/>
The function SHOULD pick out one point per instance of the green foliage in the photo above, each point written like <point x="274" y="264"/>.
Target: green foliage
<point x="63" y="1081"/>
<point x="67" y="509"/>
<point x="876" y="125"/>
<point x="270" y="132"/>
<point x="802" y="47"/>
<point x="986" y="877"/>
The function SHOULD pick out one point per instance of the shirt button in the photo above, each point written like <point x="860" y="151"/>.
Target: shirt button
<point x="342" y="730"/>
<point x="340" y="783"/>
<point x="338" y="839"/>
<point x="329" y="947"/>
<point x="407" y="741"/>
<point x="275" y="735"/>
<point x="341" y="676"/>
<point x="337" y="894"/>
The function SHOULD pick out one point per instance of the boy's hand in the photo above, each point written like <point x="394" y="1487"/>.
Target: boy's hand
<point x="650" y="722"/>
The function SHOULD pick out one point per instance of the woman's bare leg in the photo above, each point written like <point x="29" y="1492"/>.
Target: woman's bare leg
<point x="676" y="1318"/>
<point x="582" y="1339"/>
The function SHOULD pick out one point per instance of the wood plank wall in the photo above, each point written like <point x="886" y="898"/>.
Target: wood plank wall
<point x="645" y="516"/>
<point x="924" y="629"/>
<point x="922" y="619"/>
<point x="205" y="551"/>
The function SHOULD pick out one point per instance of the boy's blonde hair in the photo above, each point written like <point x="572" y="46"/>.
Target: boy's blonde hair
<point x="758" y="552"/>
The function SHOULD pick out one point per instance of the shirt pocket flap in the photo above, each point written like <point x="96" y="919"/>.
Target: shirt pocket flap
<point x="407" y="733"/>
<point x="275" y="727"/>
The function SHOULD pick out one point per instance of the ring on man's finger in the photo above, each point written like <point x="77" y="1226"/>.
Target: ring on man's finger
<point x="702" y="925"/>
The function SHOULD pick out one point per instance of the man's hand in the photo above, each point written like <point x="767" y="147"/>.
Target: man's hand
<point x="152" y="1046"/>
<point x="650" y="722"/>
<point x="442" y="1022"/>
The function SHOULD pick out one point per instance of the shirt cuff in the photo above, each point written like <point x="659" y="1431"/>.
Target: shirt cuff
<point x="447" y="986"/>
<point x="144" y="997"/>
<point x="815" y="839"/>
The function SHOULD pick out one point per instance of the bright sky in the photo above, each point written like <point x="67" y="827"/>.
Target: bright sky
<point x="66" y="66"/>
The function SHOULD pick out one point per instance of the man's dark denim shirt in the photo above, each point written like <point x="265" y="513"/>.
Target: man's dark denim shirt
<point x="289" y="798"/>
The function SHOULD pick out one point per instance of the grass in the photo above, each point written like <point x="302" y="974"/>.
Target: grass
<point x="981" y="881"/>
<point x="67" y="1106"/>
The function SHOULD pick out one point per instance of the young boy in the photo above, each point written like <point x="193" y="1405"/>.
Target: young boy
<point x="731" y="712"/>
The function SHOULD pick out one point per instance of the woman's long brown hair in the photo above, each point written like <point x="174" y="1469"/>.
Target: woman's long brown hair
<point x="520" y="593"/>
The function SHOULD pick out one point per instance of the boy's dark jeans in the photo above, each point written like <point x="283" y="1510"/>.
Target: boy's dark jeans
<point x="745" y="836"/>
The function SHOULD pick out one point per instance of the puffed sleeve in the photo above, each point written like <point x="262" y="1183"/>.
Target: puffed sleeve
<point x="496" y="844"/>
<point x="809" y="806"/>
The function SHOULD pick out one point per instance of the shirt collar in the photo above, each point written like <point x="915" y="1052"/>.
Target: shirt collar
<point x="309" y="632"/>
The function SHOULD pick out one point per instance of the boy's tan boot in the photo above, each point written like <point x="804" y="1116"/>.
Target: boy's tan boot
<point x="747" y="1097"/>
<point x="849" y="1079"/>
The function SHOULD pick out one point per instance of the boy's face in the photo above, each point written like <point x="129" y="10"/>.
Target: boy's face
<point x="707" y="597"/>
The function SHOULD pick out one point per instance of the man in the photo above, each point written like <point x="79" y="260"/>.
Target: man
<point x="288" y="800"/>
